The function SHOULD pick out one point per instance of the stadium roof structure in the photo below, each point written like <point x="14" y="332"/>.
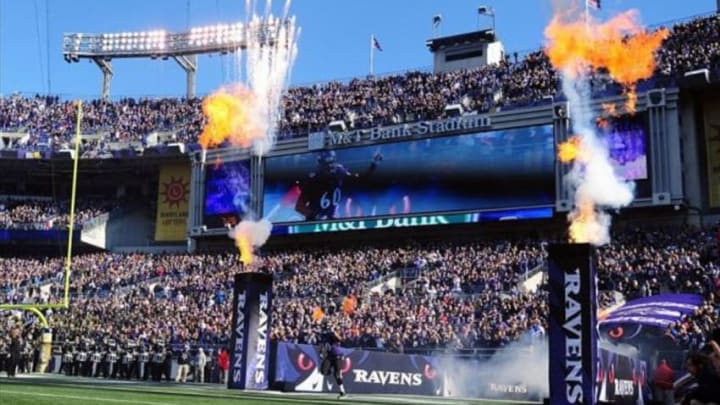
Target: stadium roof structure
<point x="183" y="47"/>
<point x="487" y="35"/>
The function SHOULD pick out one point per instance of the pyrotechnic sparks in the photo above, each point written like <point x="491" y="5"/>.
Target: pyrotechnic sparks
<point x="246" y="115"/>
<point x="579" y="48"/>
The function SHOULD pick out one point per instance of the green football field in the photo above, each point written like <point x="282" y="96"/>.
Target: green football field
<point x="57" y="390"/>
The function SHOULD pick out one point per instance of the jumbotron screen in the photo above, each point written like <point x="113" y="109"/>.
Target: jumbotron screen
<point x="626" y="138"/>
<point x="479" y="171"/>
<point x="227" y="192"/>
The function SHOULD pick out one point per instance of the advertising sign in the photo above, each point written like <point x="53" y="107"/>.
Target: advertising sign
<point x="572" y="333"/>
<point x="250" y="344"/>
<point x="298" y="369"/>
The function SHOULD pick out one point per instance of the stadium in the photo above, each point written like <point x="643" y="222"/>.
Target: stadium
<point x="502" y="227"/>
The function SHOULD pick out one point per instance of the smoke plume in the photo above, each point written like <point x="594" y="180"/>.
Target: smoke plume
<point x="248" y="236"/>
<point x="517" y="371"/>
<point x="581" y="49"/>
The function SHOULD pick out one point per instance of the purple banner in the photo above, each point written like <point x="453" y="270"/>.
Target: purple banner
<point x="573" y="333"/>
<point x="297" y="368"/>
<point x="658" y="310"/>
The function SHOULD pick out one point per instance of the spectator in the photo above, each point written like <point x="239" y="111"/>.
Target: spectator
<point x="224" y="365"/>
<point x="708" y="389"/>
<point x="664" y="380"/>
<point x="361" y="103"/>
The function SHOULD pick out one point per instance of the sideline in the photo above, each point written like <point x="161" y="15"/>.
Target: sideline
<point x="124" y="401"/>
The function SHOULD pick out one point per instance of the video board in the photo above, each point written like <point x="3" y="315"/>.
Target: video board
<point x="478" y="171"/>
<point x="227" y="193"/>
<point x="626" y="138"/>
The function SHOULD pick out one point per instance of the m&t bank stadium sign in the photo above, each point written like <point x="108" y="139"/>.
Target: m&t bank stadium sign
<point x="320" y="140"/>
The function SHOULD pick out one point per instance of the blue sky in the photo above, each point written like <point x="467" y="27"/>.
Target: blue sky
<point x="334" y="43"/>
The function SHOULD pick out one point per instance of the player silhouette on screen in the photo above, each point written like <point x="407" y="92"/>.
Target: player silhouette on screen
<point x="237" y="186"/>
<point x="321" y="192"/>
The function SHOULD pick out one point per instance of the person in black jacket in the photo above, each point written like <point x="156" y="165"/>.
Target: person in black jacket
<point x="708" y="389"/>
<point x="332" y="356"/>
<point x="14" y="352"/>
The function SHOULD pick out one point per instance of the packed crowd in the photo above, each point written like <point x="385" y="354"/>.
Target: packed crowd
<point x="361" y="103"/>
<point x="694" y="330"/>
<point x="461" y="295"/>
<point x="47" y="215"/>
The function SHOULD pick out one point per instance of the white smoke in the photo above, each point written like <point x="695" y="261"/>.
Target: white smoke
<point x="257" y="232"/>
<point x="517" y="371"/>
<point x="593" y="178"/>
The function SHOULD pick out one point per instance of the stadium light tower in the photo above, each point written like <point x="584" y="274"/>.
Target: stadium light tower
<point x="183" y="47"/>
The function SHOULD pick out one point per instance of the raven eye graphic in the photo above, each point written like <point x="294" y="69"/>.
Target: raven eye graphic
<point x="616" y="333"/>
<point x="305" y="363"/>
<point x="429" y="372"/>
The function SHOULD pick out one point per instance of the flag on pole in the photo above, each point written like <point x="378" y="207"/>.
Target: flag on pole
<point x="376" y="44"/>
<point x="593" y="4"/>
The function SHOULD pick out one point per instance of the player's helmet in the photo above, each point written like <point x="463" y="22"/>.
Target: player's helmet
<point x="327" y="157"/>
<point x="327" y="160"/>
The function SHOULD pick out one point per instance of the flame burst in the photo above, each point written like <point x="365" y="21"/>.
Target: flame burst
<point x="584" y="221"/>
<point x="570" y="150"/>
<point x="620" y="46"/>
<point x="625" y="52"/>
<point x="248" y="235"/>
<point x="246" y="251"/>
<point x="231" y="116"/>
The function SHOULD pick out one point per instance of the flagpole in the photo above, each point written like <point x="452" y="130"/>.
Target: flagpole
<point x="372" y="53"/>
<point x="587" y="16"/>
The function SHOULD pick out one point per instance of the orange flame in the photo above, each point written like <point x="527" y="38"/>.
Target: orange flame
<point x="631" y="101"/>
<point x="582" y="221"/>
<point x="246" y="252"/>
<point x="623" y="49"/>
<point x="619" y="45"/>
<point x="570" y="150"/>
<point x="230" y="116"/>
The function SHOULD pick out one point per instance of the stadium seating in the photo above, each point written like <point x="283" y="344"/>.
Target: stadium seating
<point x="470" y="290"/>
<point x="129" y="124"/>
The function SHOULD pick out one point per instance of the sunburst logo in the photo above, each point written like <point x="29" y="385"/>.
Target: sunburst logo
<point x="175" y="191"/>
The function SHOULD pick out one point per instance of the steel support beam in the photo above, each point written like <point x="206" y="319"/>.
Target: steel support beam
<point x="106" y="68"/>
<point x="189" y="65"/>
